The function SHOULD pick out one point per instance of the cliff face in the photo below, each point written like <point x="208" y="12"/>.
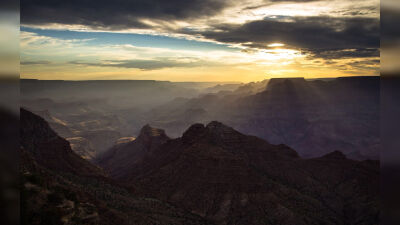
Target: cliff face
<point x="59" y="187"/>
<point x="231" y="178"/>
<point x="50" y="150"/>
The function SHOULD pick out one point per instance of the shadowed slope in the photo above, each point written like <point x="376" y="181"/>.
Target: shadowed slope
<point x="231" y="178"/>
<point x="59" y="187"/>
<point x="49" y="149"/>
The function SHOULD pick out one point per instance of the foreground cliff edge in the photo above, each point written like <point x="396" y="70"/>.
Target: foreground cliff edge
<point x="59" y="187"/>
<point x="212" y="174"/>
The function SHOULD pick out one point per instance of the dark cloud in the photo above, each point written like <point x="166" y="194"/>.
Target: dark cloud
<point x="41" y="62"/>
<point x="363" y="63"/>
<point x="361" y="66"/>
<point x="116" y="14"/>
<point x="390" y="19"/>
<point x="358" y="11"/>
<point x="272" y="2"/>
<point x="318" y="35"/>
<point x="304" y="32"/>
<point x="9" y="5"/>
<point x="293" y="0"/>
<point x="345" y="53"/>
<point x="324" y="37"/>
<point x="153" y="64"/>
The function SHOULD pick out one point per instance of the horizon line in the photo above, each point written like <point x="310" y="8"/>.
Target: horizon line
<point x="313" y="78"/>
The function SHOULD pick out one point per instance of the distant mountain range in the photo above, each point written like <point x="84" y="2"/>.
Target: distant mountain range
<point x="313" y="116"/>
<point x="94" y="115"/>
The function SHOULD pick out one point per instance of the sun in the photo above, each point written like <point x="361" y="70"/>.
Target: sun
<point x="272" y="45"/>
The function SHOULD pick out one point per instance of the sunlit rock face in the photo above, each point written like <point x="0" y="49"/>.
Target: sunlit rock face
<point x="82" y="147"/>
<point x="124" y="140"/>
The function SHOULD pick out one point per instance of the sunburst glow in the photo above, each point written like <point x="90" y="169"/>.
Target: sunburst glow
<point x="245" y="39"/>
<point x="276" y="45"/>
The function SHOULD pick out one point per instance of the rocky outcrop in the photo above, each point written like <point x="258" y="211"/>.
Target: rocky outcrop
<point x="227" y="177"/>
<point x="120" y="159"/>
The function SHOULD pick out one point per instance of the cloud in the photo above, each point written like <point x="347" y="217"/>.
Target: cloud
<point x="116" y="14"/>
<point x="149" y="64"/>
<point x="369" y="66"/>
<point x="264" y="3"/>
<point x="292" y="0"/>
<point x="31" y="40"/>
<point x="211" y="20"/>
<point x="345" y="53"/>
<point x="390" y="25"/>
<point x="41" y="62"/>
<point x="9" y="5"/>
<point x="317" y="35"/>
<point x="311" y="30"/>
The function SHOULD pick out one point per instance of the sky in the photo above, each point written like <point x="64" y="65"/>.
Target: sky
<point x="198" y="40"/>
